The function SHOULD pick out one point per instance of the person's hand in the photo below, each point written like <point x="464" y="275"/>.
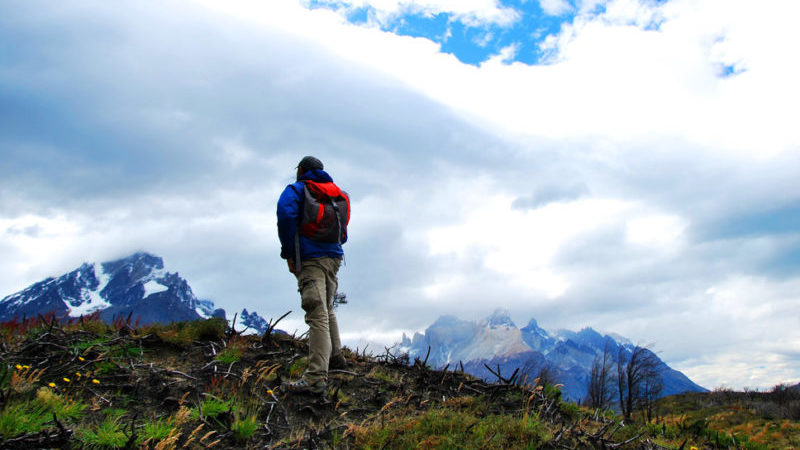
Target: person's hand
<point x="292" y="267"/>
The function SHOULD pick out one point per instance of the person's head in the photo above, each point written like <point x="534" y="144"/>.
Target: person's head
<point x="308" y="163"/>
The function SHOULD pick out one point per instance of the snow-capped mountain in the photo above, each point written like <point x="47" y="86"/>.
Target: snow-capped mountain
<point x="138" y="285"/>
<point x="496" y="340"/>
<point x="252" y="322"/>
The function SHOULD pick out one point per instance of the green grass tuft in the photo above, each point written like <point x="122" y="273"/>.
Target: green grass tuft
<point x="23" y="418"/>
<point x="244" y="428"/>
<point x="108" y="434"/>
<point x="230" y="355"/>
<point x="212" y="408"/>
<point x="64" y="408"/>
<point x="154" y="431"/>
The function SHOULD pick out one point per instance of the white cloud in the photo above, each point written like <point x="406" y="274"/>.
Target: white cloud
<point x="615" y="76"/>
<point x="470" y="12"/>
<point x="747" y="328"/>
<point x="506" y="55"/>
<point x="555" y="7"/>
<point x="234" y="152"/>
<point x="522" y="245"/>
<point x="632" y="150"/>
<point x="662" y="231"/>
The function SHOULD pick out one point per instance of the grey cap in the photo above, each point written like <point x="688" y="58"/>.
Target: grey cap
<point x="310" y="163"/>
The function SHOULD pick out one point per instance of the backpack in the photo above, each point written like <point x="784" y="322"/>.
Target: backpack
<point x="326" y="212"/>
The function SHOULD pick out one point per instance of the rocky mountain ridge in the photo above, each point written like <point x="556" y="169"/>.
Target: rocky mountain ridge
<point x="496" y="341"/>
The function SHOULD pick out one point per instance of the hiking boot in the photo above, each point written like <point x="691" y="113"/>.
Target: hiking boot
<point x="337" y="363"/>
<point x="302" y="386"/>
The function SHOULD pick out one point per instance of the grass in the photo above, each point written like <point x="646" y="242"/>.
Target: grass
<point x="212" y="408"/>
<point x="166" y="383"/>
<point x="155" y="430"/>
<point x="726" y="419"/>
<point x="245" y="427"/>
<point x="108" y="434"/>
<point x="182" y="334"/>
<point x="384" y="375"/>
<point x="64" y="408"/>
<point x="105" y="367"/>
<point x="230" y="355"/>
<point x="33" y="416"/>
<point x="297" y="367"/>
<point x="446" y="428"/>
<point x="97" y="343"/>
<point x="23" y="418"/>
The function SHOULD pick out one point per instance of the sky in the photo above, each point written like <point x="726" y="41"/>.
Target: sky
<point x="625" y="165"/>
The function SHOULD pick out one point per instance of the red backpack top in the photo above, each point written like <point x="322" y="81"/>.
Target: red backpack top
<point x="326" y="212"/>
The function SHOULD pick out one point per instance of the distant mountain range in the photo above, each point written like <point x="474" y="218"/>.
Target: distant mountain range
<point x="496" y="341"/>
<point x="138" y="286"/>
<point x="141" y="287"/>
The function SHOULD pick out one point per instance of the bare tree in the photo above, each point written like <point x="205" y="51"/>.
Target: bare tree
<point x="540" y="370"/>
<point x="600" y="391"/>
<point x="652" y="385"/>
<point x="546" y="375"/>
<point x="637" y="378"/>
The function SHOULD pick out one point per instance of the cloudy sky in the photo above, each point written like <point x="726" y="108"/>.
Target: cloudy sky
<point x="629" y="165"/>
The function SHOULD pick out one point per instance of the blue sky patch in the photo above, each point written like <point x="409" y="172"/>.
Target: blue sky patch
<point x="471" y="44"/>
<point x="779" y="221"/>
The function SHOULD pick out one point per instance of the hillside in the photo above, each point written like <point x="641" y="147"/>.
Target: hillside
<point x="88" y="384"/>
<point x="728" y="419"/>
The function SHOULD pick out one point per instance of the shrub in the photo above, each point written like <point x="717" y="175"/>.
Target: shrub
<point x="210" y="329"/>
<point x="569" y="409"/>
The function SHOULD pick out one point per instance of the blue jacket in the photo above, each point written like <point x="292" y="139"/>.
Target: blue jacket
<point x="290" y="207"/>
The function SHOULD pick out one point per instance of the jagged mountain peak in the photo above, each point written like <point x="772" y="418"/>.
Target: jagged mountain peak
<point x="532" y="325"/>
<point x="500" y="318"/>
<point x="533" y="328"/>
<point x="253" y="322"/>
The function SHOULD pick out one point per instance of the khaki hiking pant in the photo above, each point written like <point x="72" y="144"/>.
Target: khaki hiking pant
<point x="317" y="284"/>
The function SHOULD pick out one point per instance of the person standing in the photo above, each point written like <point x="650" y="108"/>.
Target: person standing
<point x="313" y="214"/>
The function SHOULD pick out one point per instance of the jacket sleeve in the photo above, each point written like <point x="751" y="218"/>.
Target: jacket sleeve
<point x="288" y="219"/>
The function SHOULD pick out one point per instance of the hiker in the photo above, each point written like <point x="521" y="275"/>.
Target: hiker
<point x="312" y="226"/>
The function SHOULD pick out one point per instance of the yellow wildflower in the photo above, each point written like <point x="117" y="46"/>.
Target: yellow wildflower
<point x="95" y="381"/>
<point x="80" y="358"/>
<point x="66" y="380"/>
<point x="51" y="384"/>
<point x="77" y="374"/>
<point x="18" y="367"/>
<point x="269" y="392"/>
<point x="26" y="367"/>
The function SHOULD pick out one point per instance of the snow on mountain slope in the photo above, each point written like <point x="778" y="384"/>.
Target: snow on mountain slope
<point x="138" y="285"/>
